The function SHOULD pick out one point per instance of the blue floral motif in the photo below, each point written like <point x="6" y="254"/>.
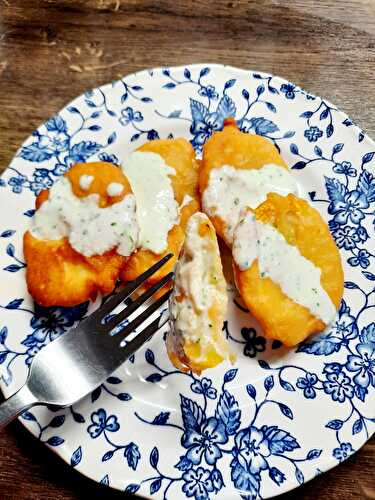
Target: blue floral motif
<point x="53" y="143"/>
<point x="50" y="323"/>
<point x="351" y="207"/>
<point x="289" y="90"/>
<point x="128" y="115"/>
<point x="209" y="92"/>
<point x="17" y="183"/>
<point x="339" y="386"/>
<point x="345" y="326"/>
<point x="343" y="452"/>
<point x="363" y="365"/>
<point x="101" y="423"/>
<point x="204" y="386"/>
<point x="197" y="483"/>
<point x="361" y="259"/>
<point x="204" y="124"/>
<point x="251" y="450"/>
<point x="205" y="441"/>
<point x="345" y="168"/>
<point x="254" y="343"/>
<point x="307" y="383"/>
<point x="346" y="237"/>
<point x="313" y="134"/>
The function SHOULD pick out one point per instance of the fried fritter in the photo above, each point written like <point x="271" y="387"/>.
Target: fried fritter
<point x="239" y="150"/>
<point x="303" y="227"/>
<point x="56" y="274"/>
<point x="178" y="154"/>
<point x="199" y="301"/>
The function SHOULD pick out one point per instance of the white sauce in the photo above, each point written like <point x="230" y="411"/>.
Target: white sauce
<point x="231" y="190"/>
<point x="297" y="276"/>
<point x="157" y="209"/>
<point x="91" y="230"/>
<point x="85" y="182"/>
<point x="200" y="281"/>
<point x="115" y="189"/>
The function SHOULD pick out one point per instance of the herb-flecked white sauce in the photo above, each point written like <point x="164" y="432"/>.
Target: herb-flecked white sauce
<point x="283" y="263"/>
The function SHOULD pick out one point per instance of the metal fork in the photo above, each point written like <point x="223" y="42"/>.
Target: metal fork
<point x="75" y="364"/>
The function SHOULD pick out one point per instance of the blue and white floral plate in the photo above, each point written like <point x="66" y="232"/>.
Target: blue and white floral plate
<point x="277" y="418"/>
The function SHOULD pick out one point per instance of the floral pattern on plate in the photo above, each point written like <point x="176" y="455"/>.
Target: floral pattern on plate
<point x="235" y="432"/>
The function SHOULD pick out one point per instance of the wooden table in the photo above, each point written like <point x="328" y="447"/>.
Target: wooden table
<point x="53" y="50"/>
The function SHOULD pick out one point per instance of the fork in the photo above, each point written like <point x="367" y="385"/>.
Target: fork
<point x="75" y="364"/>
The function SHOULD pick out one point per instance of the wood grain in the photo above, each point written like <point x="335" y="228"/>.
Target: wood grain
<point x="53" y="50"/>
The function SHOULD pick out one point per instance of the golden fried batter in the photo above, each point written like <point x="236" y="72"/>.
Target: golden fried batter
<point x="199" y="301"/>
<point x="56" y="274"/>
<point x="238" y="149"/>
<point x="178" y="154"/>
<point x="302" y="226"/>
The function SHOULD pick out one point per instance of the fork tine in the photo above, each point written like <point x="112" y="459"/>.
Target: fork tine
<point x="143" y="336"/>
<point x="127" y="311"/>
<point x="130" y="327"/>
<point x="119" y="297"/>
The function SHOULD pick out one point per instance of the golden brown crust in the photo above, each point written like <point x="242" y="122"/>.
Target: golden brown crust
<point x="178" y="154"/>
<point x="103" y="173"/>
<point x="56" y="274"/>
<point x="238" y="149"/>
<point x="302" y="226"/>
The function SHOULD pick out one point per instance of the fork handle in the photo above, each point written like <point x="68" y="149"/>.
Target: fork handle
<point x="21" y="401"/>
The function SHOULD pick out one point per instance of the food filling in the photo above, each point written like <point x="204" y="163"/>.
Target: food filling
<point x="199" y="302"/>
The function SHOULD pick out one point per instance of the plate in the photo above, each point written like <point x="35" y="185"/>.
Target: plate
<point x="278" y="417"/>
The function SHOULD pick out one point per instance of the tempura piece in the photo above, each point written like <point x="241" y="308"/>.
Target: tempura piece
<point x="179" y="155"/>
<point x="287" y="268"/>
<point x="199" y="301"/>
<point x="238" y="170"/>
<point x="57" y="274"/>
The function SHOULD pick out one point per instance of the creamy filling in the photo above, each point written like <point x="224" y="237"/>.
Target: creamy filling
<point x="198" y="284"/>
<point x="157" y="209"/>
<point x="231" y="190"/>
<point x="85" y="182"/>
<point x="115" y="189"/>
<point x="91" y="230"/>
<point x="297" y="276"/>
